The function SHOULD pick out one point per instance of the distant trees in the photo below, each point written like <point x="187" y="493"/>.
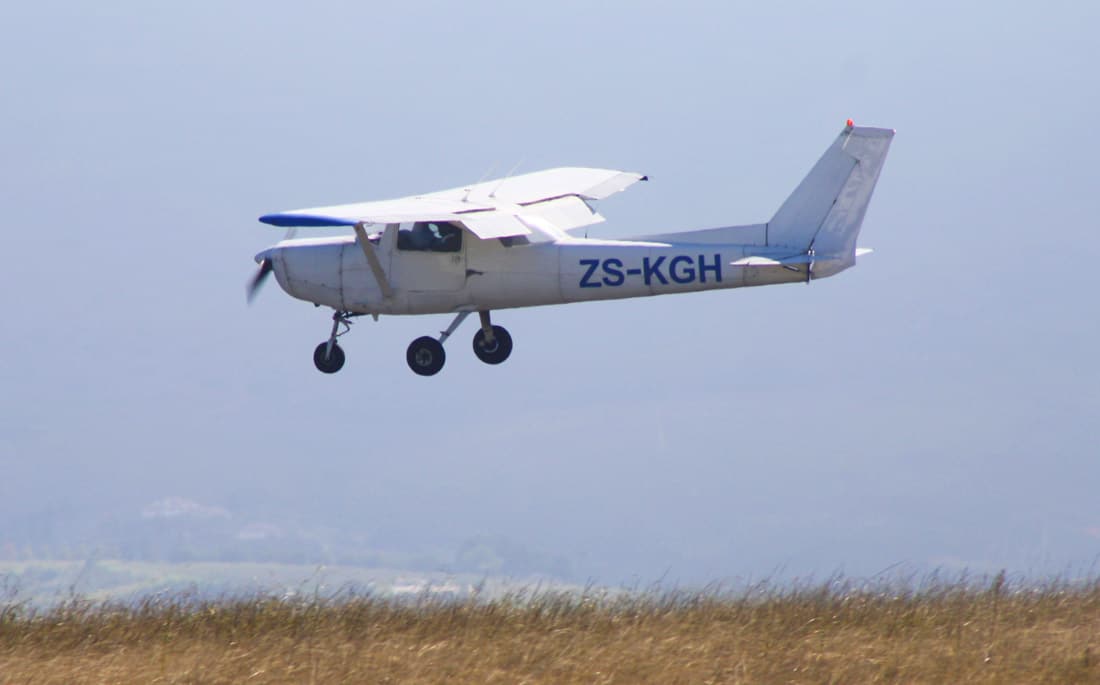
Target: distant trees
<point x="497" y="555"/>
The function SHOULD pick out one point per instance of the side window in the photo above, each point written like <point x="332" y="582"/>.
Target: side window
<point x="512" y="240"/>
<point x="429" y="236"/>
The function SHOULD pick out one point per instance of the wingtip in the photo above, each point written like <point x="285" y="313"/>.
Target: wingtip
<point x="293" y="220"/>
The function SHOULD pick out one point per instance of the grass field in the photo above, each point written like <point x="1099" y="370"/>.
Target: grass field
<point x="834" y="632"/>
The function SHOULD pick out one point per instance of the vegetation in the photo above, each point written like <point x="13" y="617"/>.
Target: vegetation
<point x="830" y="632"/>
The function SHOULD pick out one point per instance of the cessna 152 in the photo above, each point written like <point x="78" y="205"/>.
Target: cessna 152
<point x="503" y="244"/>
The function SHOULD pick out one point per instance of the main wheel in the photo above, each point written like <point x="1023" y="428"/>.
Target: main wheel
<point x="425" y="356"/>
<point x="496" y="352"/>
<point x="328" y="363"/>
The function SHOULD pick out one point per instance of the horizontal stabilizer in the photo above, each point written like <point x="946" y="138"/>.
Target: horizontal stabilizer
<point x="818" y="266"/>
<point x="768" y="261"/>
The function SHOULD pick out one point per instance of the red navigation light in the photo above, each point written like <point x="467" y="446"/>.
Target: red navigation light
<point x="850" y="124"/>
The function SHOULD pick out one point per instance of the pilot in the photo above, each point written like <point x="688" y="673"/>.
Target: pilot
<point x="421" y="237"/>
<point x="448" y="238"/>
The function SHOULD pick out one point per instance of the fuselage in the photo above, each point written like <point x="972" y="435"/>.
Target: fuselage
<point x="470" y="249"/>
<point x="503" y="274"/>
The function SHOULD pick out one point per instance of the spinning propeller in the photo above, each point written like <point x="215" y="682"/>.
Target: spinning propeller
<point x="254" y="284"/>
<point x="266" y="266"/>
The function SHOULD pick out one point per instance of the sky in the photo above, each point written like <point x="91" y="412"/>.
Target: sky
<point x="934" y="407"/>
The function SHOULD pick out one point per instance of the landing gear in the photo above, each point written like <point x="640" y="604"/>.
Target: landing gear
<point x="492" y="344"/>
<point x="328" y="360"/>
<point x="329" y="357"/>
<point x="493" y="351"/>
<point x="425" y="356"/>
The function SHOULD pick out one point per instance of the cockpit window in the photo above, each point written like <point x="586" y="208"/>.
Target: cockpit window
<point x="430" y="236"/>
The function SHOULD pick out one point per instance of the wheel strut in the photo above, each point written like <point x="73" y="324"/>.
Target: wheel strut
<point x="486" y="327"/>
<point x="328" y="357"/>
<point x="492" y="344"/>
<point x="338" y="318"/>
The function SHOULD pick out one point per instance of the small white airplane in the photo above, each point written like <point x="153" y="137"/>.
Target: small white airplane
<point x="503" y="244"/>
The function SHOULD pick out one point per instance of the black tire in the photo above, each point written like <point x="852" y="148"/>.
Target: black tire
<point x="425" y="356"/>
<point x="498" y="351"/>
<point x="333" y="363"/>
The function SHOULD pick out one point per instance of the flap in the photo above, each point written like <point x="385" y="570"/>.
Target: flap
<point x="494" y="225"/>
<point x="565" y="213"/>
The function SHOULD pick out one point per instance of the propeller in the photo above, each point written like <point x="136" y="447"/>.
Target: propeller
<point x="254" y="284"/>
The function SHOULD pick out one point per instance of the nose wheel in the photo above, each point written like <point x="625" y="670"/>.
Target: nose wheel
<point x="328" y="357"/>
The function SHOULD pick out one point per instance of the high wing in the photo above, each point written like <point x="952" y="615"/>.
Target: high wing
<point x="550" y="201"/>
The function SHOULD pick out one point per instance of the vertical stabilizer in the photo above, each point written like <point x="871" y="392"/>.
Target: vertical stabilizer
<point x="825" y="212"/>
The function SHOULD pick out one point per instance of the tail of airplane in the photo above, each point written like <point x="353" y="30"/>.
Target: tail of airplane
<point x="824" y="214"/>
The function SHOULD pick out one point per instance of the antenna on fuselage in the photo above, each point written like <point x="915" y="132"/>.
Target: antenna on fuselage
<point x="469" y="189"/>
<point x="508" y="176"/>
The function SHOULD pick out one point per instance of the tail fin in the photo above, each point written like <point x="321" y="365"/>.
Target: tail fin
<point x="825" y="212"/>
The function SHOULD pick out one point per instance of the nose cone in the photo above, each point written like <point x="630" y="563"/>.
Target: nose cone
<point x="266" y="254"/>
<point x="273" y="260"/>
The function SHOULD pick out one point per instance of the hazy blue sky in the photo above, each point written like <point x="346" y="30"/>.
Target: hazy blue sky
<point x="935" y="406"/>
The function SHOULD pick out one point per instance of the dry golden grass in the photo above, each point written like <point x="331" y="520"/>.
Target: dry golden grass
<point x="830" y="633"/>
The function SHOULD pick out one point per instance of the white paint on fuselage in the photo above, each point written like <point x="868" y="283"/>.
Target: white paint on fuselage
<point x="487" y="275"/>
<point x="812" y="235"/>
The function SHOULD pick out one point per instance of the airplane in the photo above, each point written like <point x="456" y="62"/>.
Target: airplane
<point x="504" y="244"/>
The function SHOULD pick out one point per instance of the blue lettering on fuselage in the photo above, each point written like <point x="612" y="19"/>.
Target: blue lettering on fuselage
<point x="614" y="270"/>
<point x="654" y="269"/>
<point x="586" y="279"/>
<point x="715" y="269"/>
<point x="686" y="271"/>
<point x="682" y="269"/>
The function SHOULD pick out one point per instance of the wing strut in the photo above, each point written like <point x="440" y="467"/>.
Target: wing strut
<point x="372" y="260"/>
